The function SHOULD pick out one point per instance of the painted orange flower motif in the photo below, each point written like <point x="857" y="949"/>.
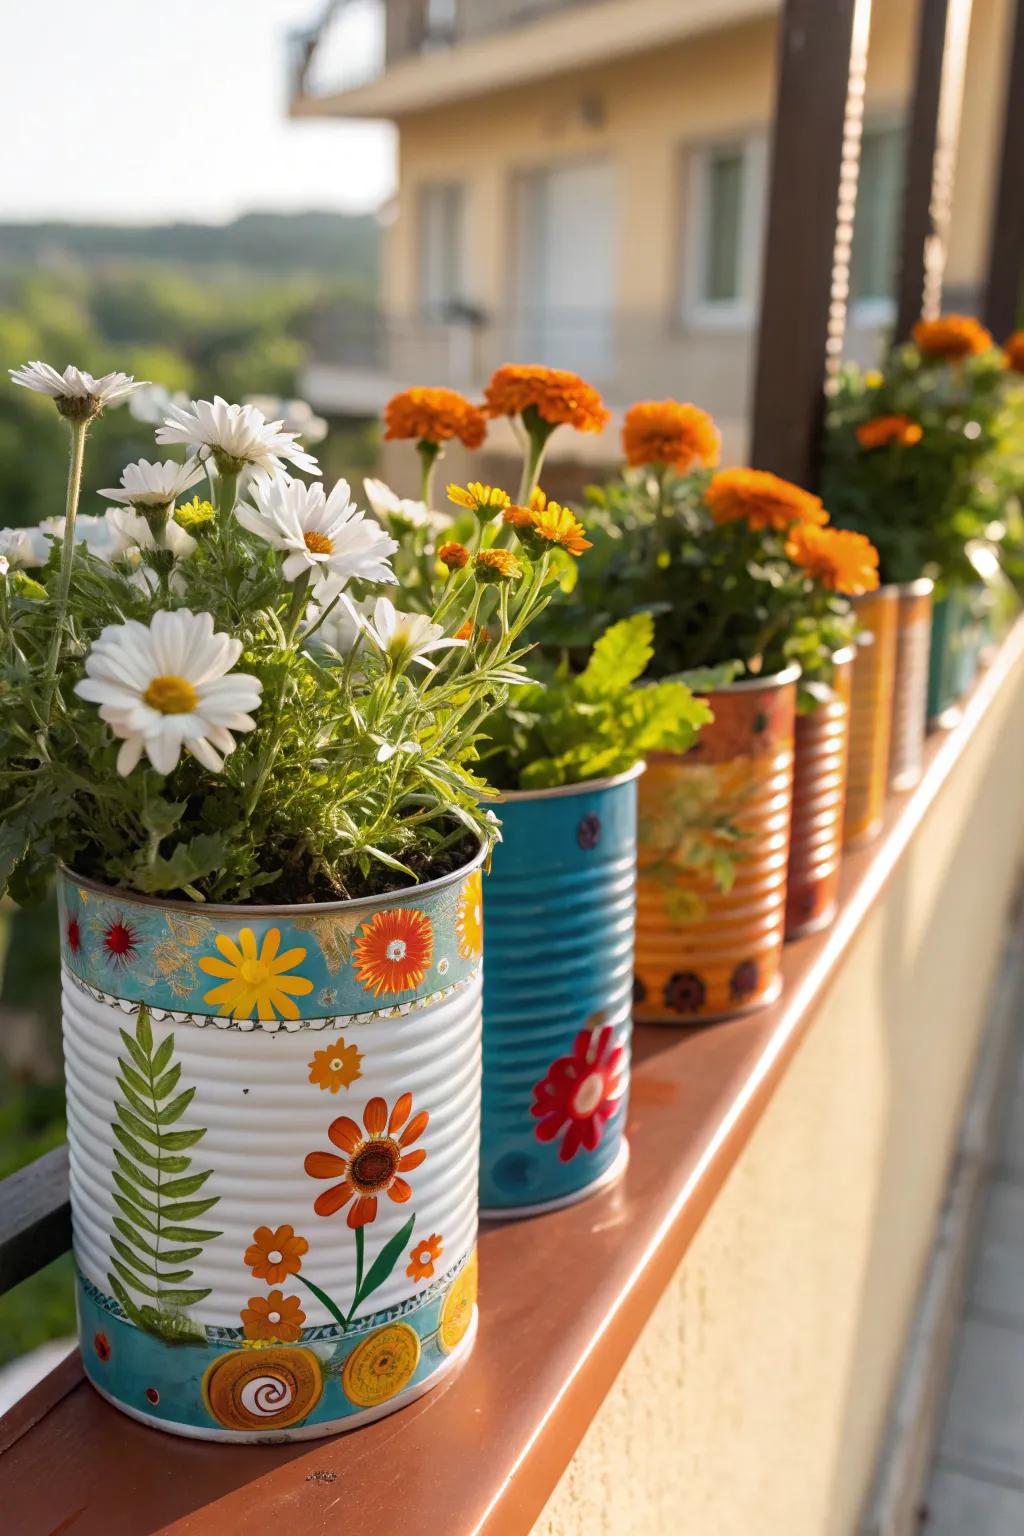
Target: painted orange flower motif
<point x="434" y="416"/>
<point x="469" y="917"/>
<point x="394" y="950"/>
<point x="336" y="1066"/>
<point x="1013" y="346"/>
<point x="886" y="431"/>
<point x="842" y="562"/>
<point x="274" y="1316"/>
<point x="668" y="432"/>
<point x="274" y="1255"/>
<point x="556" y="395"/>
<point x="423" y="1256"/>
<point x="761" y="499"/>
<point x="951" y="337"/>
<point x="372" y="1164"/>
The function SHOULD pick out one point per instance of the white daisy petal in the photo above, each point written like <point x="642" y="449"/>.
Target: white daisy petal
<point x="75" y="384"/>
<point x="240" y="434"/>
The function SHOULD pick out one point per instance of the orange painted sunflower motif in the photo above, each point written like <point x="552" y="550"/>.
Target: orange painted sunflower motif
<point x="889" y="431"/>
<point x="373" y="1160"/>
<point x="423" y="1256"/>
<point x="951" y="337"/>
<point x="762" y="500"/>
<point x="841" y="561"/>
<point x="669" y="432"/>
<point x="555" y="394"/>
<point x="273" y="1255"/>
<point x="394" y="951"/>
<point x="336" y="1066"/>
<point x="274" y="1316"/>
<point x="469" y="917"/>
<point x="434" y="416"/>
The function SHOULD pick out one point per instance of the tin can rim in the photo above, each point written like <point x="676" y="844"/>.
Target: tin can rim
<point x="585" y="786"/>
<point x="790" y="674"/>
<point x="277" y="909"/>
<point x="921" y="587"/>
<point x="889" y="591"/>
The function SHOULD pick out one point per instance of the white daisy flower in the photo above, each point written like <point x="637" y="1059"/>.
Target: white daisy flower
<point x="296" y="416"/>
<point x="24" y="548"/>
<point x="130" y="531"/>
<point x="76" y="393"/>
<point x="5" y="565"/>
<point x="94" y="532"/>
<point x="164" y="686"/>
<point x="325" y="536"/>
<point x="405" y="637"/>
<point x="394" y="509"/>
<point x="152" y="403"/>
<point x="236" y="435"/>
<point x="155" y="485"/>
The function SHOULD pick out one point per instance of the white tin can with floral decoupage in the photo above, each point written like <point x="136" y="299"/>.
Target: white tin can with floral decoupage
<point x="273" y="1122"/>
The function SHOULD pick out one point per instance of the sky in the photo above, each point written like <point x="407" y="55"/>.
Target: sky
<point x="137" y="111"/>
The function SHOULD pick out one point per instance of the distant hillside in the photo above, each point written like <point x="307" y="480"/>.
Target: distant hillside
<point x="338" y="244"/>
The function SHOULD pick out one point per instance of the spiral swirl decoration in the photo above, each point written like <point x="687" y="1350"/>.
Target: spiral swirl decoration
<point x="263" y="1389"/>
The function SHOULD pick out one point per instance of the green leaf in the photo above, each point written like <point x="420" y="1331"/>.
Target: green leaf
<point x="177" y="1141"/>
<point x="188" y="863"/>
<point x="146" y="1267"/>
<point x="385" y="1262"/>
<point x="142" y="1109"/>
<point x="136" y="1052"/>
<point x="135" y="1125"/>
<point x="166" y="1084"/>
<point x="185" y="1210"/>
<point x="619" y="657"/>
<point x="131" y="1190"/>
<point x="176" y="1108"/>
<point x="135" y="1215"/>
<point x="135" y="1281"/>
<point x="176" y="1189"/>
<point x="190" y="1234"/>
<point x="183" y="1298"/>
<point x="134" y="1173"/>
<point x="134" y="1079"/>
<point x="144" y="1031"/>
<point x="162" y="1055"/>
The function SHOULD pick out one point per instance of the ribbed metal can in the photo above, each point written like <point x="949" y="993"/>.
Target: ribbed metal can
<point x="559" y="906"/>
<point x="819" y="801"/>
<point x="957" y="640"/>
<point x="713" y="851"/>
<point x="273" y="1125"/>
<point x="874" y="671"/>
<point x="910" y="683"/>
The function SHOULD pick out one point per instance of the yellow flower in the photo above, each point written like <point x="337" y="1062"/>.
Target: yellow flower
<point x="255" y="978"/>
<point x="484" y="500"/>
<point x="555" y="526"/>
<point x="469" y="917"/>
<point x="497" y="565"/>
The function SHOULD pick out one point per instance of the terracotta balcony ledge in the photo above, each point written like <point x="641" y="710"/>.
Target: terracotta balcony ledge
<point x="564" y="1297"/>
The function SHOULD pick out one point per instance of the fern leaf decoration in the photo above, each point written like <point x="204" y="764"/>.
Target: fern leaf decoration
<point x="157" y="1194"/>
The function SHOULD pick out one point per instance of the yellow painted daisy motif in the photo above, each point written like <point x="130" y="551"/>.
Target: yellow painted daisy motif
<point x="255" y="978"/>
<point x="469" y="917"/>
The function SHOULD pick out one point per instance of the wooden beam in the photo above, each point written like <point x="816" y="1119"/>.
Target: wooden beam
<point x="35" y="1217"/>
<point x="1006" y="245"/>
<point x="933" y="135"/>
<point x="822" y="57"/>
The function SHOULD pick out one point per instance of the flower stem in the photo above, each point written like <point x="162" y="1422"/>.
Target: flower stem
<point x="538" y="433"/>
<point x="67" y="555"/>
<point x="429" y="454"/>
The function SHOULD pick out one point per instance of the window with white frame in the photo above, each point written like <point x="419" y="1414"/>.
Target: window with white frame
<point x="724" y="223"/>
<point x="441" y="247"/>
<point x="876" y="219"/>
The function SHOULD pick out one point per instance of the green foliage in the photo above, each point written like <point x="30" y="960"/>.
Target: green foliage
<point x="155" y="1242"/>
<point x="923" y="504"/>
<point x="568" y="727"/>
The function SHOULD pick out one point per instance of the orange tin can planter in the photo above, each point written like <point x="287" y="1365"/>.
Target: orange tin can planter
<point x="910" y="685"/>
<point x="874" y="672"/>
<point x="717" y="815"/>
<point x="819" y="802"/>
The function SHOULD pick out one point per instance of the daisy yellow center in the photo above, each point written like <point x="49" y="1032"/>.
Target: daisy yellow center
<point x="318" y="543"/>
<point x="171" y="695"/>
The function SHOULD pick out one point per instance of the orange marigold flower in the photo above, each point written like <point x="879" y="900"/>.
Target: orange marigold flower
<point x="434" y="416"/>
<point x="556" y="395"/>
<point x="951" y="337"/>
<point x="275" y="1317"/>
<point x="497" y="565"/>
<point x="336" y="1066"/>
<point x="1014" y="349"/>
<point x="668" y="432"/>
<point x="394" y="951"/>
<point x="423" y="1256"/>
<point x="552" y="527"/>
<point x="485" y="500"/>
<point x="518" y="517"/>
<point x="371" y="1164"/>
<point x="274" y="1255"/>
<point x="842" y="562"/>
<point x="761" y="499"/>
<point x="883" y="431"/>
<point x="454" y="556"/>
<point x="465" y="632"/>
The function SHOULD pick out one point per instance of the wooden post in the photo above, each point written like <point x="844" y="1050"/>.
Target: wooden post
<point x="1006" y="245"/>
<point x="932" y="139"/>
<point x="815" y="156"/>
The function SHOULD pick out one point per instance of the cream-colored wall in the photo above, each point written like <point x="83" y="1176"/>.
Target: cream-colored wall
<point x="755" y="1400"/>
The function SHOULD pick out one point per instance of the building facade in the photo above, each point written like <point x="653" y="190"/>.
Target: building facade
<point x="583" y="183"/>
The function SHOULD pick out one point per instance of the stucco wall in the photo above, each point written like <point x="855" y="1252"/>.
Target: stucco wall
<point x="754" y="1402"/>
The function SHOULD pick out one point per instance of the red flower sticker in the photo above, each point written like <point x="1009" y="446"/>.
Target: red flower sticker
<point x="580" y="1092"/>
<point x="120" y="942"/>
<point x="101" y="1344"/>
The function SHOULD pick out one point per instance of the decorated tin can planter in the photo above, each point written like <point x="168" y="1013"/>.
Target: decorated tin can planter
<point x="713" y="849"/>
<point x="910" y="684"/>
<point x="273" y="1124"/>
<point x="957" y="630"/>
<point x="819" y="799"/>
<point x="559" y="904"/>
<point x="874" y="671"/>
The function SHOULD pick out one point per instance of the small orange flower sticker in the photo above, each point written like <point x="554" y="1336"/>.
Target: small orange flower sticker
<point x="274" y="1316"/>
<point x="423" y="1256"/>
<point x="274" y="1255"/>
<point x="336" y="1066"/>
<point x="372" y="1164"/>
<point x="469" y="917"/>
<point x="394" y="950"/>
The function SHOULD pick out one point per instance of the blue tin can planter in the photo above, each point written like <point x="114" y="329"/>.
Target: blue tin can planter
<point x="559" y="913"/>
